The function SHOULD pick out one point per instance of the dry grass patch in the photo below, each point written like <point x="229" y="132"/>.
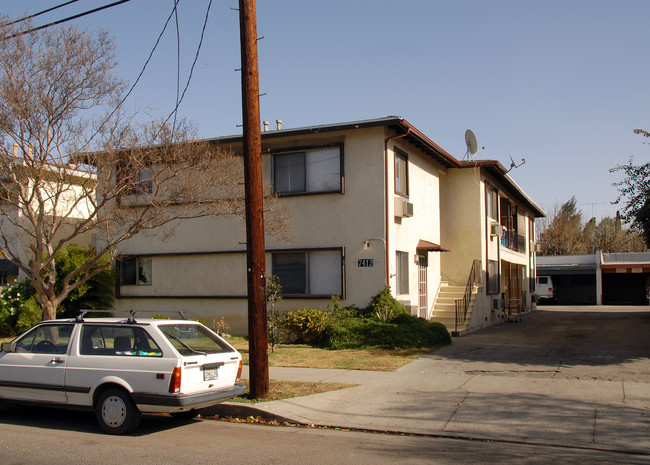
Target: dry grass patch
<point x="305" y="356"/>
<point x="288" y="389"/>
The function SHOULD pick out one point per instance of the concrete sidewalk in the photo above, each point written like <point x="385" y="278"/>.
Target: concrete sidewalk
<point x="500" y="384"/>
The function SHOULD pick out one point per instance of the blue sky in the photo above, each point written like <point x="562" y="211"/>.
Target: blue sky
<point x="559" y="83"/>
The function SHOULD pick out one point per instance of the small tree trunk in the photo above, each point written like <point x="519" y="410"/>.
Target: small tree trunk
<point x="49" y="309"/>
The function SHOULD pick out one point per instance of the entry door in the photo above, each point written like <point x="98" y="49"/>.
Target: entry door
<point x="422" y="286"/>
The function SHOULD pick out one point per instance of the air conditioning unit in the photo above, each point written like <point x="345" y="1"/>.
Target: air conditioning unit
<point x="497" y="304"/>
<point x="403" y="208"/>
<point x="496" y="230"/>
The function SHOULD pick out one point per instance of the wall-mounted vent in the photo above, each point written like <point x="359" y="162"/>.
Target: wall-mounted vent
<point x="496" y="230"/>
<point x="403" y="208"/>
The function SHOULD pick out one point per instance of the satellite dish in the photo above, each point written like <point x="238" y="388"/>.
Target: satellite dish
<point x="470" y="140"/>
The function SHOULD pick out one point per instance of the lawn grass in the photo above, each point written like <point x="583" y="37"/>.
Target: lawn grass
<point x="305" y="356"/>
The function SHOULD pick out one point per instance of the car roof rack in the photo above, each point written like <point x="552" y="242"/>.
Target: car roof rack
<point x="134" y="313"/>
<point x="80" y="318"/>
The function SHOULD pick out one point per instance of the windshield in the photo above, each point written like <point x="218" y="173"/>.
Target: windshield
<point x="191" y="339"/>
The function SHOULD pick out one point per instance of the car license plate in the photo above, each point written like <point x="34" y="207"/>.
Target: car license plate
<point x="210" y="374"/>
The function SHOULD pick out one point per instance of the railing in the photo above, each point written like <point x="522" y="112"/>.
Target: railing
<point x="462" y="305"/>
<point x="514" y="241"/>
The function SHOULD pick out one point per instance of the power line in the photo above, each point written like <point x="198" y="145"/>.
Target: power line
<point x="196" y="57"/>
<point x="38" y="14"/>
<point x="64" y="20"/>
<point x="144" y="67"/>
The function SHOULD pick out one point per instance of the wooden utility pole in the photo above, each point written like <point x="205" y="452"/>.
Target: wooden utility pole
<point x="255" y="258"/>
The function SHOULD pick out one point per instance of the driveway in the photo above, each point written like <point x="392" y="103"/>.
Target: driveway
<point x="590" y="343"/>
<point x="568" y="376"/>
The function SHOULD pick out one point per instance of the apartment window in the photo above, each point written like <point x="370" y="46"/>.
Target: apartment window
<point x="143" y="183"/>
<point x="493" y="277"/>
<point x="402" y="272"/>
<point x="309" y="273"/>
<point x="311" y="171"/>
<point x="137" y="181"/>
<point x="401" y="173"/>
<point x="136" y="271"/>
<point x="492" y="203"/>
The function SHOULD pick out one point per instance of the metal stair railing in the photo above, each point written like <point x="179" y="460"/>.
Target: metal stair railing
<point x="462" y="305"/>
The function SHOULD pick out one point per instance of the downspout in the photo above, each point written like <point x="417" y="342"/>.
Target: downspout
<point x="386" y="212"/>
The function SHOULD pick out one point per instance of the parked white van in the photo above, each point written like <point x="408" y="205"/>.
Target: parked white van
<point x="544" y="289"/>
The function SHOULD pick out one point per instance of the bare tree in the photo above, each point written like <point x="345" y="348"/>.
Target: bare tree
<point x="58" y="97"/>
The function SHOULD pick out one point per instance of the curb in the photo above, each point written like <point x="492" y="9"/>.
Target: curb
<point x="237" y="410"/>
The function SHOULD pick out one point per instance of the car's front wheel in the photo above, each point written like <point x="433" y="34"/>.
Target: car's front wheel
<point x="116" y="412"/>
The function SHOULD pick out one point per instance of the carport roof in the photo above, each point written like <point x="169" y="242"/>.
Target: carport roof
<point x="566" y="268"/>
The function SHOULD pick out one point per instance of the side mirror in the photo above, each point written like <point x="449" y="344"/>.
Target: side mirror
<point x="7" y="347"/>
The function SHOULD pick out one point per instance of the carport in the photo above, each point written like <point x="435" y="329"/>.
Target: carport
<point x="574" y="277"/>
<point x="598" y="279"/>
<point x="624" y="277"/>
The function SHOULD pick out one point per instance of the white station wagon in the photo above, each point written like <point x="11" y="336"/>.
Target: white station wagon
<point x="121" y="368"/>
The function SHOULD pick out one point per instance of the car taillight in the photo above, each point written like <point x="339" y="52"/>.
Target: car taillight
<point x="175" y="381"/>
<point x="241" y="364"/>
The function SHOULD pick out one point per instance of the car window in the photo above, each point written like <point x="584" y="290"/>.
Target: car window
<point x="543" y="280"/>
<point x="191" y="339"/>
<point x="117" y="340"/>
<point x="46" y="339"/>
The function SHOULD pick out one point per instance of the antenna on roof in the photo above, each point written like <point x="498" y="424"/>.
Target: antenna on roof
<point x="515" y="165"/>
<point x="472" y="144"/>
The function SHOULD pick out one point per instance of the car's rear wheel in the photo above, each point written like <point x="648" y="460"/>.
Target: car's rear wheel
<point x="116" y="413"/>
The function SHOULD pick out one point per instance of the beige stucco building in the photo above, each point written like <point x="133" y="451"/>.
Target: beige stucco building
<point x="54" y="197"/>
<point x="372" y="203"/>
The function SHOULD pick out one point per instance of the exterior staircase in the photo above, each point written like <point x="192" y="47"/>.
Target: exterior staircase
<point x="444" y="309"/>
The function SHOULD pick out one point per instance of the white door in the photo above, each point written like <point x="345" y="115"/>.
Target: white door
<point x="422" y="286"/>
<point x="36" y="368"/>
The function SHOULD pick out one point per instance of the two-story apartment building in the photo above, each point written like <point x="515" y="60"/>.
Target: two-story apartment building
<point x="40" y="201"/>
<point x="372" y="203"/>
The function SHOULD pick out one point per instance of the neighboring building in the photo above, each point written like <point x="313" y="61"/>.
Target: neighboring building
<point x="65" y="194"/>
<point x="599" y="278"/>
<point x="373" y="203"/>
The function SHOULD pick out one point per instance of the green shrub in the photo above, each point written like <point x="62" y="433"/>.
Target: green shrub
<point x="307" y="325"/>
<point x="19" y="309"/>
<point x="97" y="293"/>
<point x="404" y="332"/>
<point x="384" y="307"/>
<point x="338" y="311"/>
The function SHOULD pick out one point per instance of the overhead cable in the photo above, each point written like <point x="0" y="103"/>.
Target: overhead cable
<point x="38" y="14"/>
<point x="70" y="18"/>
